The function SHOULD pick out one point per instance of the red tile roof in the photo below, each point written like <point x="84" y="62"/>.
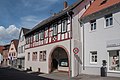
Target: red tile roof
<point x="98" y="5"/>
<point x="1" y="49"/>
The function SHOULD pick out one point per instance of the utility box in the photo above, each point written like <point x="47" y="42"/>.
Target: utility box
<point x="103" y="71"/>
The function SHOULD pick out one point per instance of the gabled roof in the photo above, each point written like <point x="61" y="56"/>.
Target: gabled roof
<point x="1" y="49"/>
<point x="57" y="15"/>
<point x="15" y="42"/>
<point x="25" y="30"/>
<point x="6" y="47"/>
<point x="98" y="5"/>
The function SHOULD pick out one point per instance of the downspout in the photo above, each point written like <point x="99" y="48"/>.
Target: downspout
<point x="70" y="69"/>
<point x="82" y="25"/>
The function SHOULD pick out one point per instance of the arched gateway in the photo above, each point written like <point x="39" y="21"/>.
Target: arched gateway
<point x="58" y="59"/>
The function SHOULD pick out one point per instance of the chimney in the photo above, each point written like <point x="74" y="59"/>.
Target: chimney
<point x="65" y="4"/>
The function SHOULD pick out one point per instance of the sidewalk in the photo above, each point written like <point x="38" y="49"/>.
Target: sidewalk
<point x="94" y="77"/>
<point x="64" y="76"/>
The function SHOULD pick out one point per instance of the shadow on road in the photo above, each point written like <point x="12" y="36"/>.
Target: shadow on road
<point x="14" y="74"/>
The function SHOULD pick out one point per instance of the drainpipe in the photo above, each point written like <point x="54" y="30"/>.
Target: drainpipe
<point x="70" y="68"/>
<point x="82" y="24"/>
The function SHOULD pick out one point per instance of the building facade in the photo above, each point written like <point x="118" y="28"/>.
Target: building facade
<point x="55" y="44"/>
<point x="100" y="37"/>
<point x="5" y="55"/>
<point x="13" y="53"/>
<point x="1" y="54"/>
<point x="21" y="49"/>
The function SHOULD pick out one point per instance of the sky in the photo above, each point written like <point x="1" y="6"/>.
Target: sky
<point x="15" y="14"/>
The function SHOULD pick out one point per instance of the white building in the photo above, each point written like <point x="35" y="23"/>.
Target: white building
<point x="52" y="44"/>
<point x="21" y="48"/>
<point x="12" y="55"/>
<point x="1" y="58"/>
<point x="101" y="37"/>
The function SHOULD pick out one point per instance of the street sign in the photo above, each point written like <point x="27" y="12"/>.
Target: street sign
<point x="75" y="50"/>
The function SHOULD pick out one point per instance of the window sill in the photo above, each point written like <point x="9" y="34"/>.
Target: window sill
<point x="112" y="71"/>
<point x="93" y="63"/>
<point x="92" y="31"/>
<point x="106" y="27"/>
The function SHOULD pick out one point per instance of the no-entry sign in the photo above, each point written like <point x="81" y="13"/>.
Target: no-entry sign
<point x="75" y="50"/>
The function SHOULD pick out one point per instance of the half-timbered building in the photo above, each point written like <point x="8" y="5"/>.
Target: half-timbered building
<point x="54" y="44"/>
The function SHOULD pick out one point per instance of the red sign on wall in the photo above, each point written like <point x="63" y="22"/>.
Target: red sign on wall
<point x="76" y="50"/>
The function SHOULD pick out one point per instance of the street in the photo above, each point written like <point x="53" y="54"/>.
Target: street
<point x="13" y="74"/>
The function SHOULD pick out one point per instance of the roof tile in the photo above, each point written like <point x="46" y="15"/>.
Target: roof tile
<point x="98" y="5"/>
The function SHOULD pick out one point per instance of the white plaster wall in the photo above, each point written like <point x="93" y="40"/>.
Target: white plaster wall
<point x="21" y="43"/>
<point x="13" y="51"/>
<point x="96" y="41"/>
<point x="43" y="65"/>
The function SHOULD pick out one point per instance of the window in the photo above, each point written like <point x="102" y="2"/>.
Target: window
<point x="31" y="39"/>
<point x="28" y="56"/>
<point x="64" y="26"/>
<point x="42" y="35"/>
<point x="93" y="25"/>
<point x="90" y="2"/>
<point x="26" y="40"/>
<point x="85" y="7"/>
<point x="9" y="54"/>
<point x="55" y="29"/>
<point x="93" y="57"/>
<point x="42" y="56"/>
<point x="11" y="48"/>
<point x="114" y="58"/>
<point x="109" y="20"/>
<point x="34" y="56"/>
<point x="13" y="54"/>
<point x="36" y="37"/>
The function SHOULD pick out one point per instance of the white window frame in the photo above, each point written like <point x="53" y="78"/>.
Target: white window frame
<point x="42" y="35"/>
<point x="108" y="22"/>
<point x="64" y="26"/>
<point x="42" y="56"/>
<point x="91" y="54"/>
<point x="55" y="29"/>
<point x="109" y="61"/>
<point x="93" y="25"/>
<point x="37" y="37"/>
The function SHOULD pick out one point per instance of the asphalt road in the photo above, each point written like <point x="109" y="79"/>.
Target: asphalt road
<point x="13" y="74"/>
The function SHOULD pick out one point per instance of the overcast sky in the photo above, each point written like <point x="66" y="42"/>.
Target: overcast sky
<point x="15" y="14"/>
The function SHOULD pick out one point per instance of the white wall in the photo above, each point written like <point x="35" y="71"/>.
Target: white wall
<point x="21" y="43"/>
<point x="43" y="65"/>
<point x="97" y="41"/>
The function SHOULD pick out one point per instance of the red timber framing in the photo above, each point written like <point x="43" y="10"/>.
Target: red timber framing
<point x="46" y="35"/>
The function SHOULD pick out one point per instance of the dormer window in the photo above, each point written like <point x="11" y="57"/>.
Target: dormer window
<point x="103" y="2"/>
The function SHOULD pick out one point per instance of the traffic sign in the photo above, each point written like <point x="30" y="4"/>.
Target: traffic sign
<point x="75" y="50"/>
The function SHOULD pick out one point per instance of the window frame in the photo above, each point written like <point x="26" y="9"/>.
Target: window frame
<point x="55" y="29"/>
<point x="64" y="25"/>
<point x="108" y="22"/>
<point x="28" y="57"/>
<point x="95" y="54"/>
<point x="42" y="35"/>
<point x="42" y="56"/>
<point x="34" y="56"/>
<point x="93" y="25"/>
